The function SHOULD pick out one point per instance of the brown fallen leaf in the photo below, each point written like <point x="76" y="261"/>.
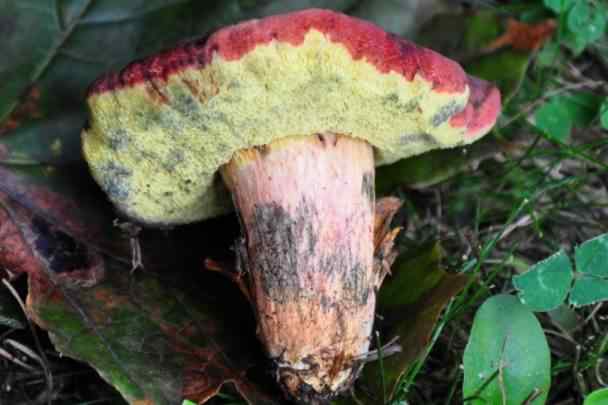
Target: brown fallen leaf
<point x="15" y="255"/>
<point x="384" y="236"/>
<point x="157" y="341"/>
<point x="522" y="36"/>
<point x="65" y="197"/>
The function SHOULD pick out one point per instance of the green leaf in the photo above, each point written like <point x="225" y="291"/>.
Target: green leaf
<point x="47" y="141"/>
<point x="559" y="6"/>
<point x="604" y="114"/>
<point x="598" y="23"/>
<point x="549" y="54"/>
<point x="545" y="286"/>
<point x="410" y="303"/>
<point x="586" y="22"/>
<point x="598" y="397"/>
<point x="58" y="48"/>
<point x="582" y="107"/>
<point x="554" y="119"/>
<point x="566" y="317"/>
<point x="576" y="43"/>
<point x="507" y="359"/>
<point x="579" y="16"/>
<point x="592" y="256"/>
<point x="591" y="284"/>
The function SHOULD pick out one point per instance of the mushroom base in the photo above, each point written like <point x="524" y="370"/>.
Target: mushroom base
<point x="306" y="206"/>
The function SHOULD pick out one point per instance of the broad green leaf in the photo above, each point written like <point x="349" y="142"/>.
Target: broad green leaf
<point x="604" y="114"/>
<point x="579" y="17"/>
<point x="557" y="116"/>
<point x="507" y="359"/>
<point x="410" y="303"/>
<point x="549" y="54"/>
<point x="599" y="397"/>
<point x="152" y="339"/>
<point x="559" y="6"/>
<point x="566" y="317"/>
<point x="554" y="120"/>
<point x="68" y="44"/>
<point x="586" y="22"/>
<point x="47" y="141"/>
<point x="576" y="43"/>
<point x="591" y="284"/>
<point x="27" y="37"/>
<point x="592" y="256"/>
<point x="582" y="107"/>
<point x="588" y="290"/>
<point x="545" y="286"/>
<point x="596" y="29"/>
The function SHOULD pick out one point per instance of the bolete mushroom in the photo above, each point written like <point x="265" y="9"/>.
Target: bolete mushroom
<point x="294" y="111"/>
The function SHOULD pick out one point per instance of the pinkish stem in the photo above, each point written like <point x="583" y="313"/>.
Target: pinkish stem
<point x="307" y="210"/>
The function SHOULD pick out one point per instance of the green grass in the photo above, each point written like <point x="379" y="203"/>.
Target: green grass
<point x="551" y="193"/>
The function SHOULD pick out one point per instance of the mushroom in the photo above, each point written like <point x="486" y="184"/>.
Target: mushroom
<point x="290" y="113"/>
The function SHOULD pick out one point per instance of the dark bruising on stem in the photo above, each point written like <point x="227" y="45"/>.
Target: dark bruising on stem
<point x="286" y="244"/>
<point x="276" y="255"/>
<point x="368" y="187"/>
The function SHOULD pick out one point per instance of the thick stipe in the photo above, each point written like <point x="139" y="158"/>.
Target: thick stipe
<point x="307" y="209"/>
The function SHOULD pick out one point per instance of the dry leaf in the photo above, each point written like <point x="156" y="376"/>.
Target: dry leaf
<point x="524" y="37"/>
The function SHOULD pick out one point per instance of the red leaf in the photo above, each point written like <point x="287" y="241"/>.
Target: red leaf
<point x="524" y="37"/>
<point x="15" y="255"/>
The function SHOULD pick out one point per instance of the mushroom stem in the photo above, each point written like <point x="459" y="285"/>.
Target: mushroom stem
<point x="307" y="211"/>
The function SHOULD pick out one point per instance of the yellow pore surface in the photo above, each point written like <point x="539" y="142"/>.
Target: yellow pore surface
<point x="157" y="156"/>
